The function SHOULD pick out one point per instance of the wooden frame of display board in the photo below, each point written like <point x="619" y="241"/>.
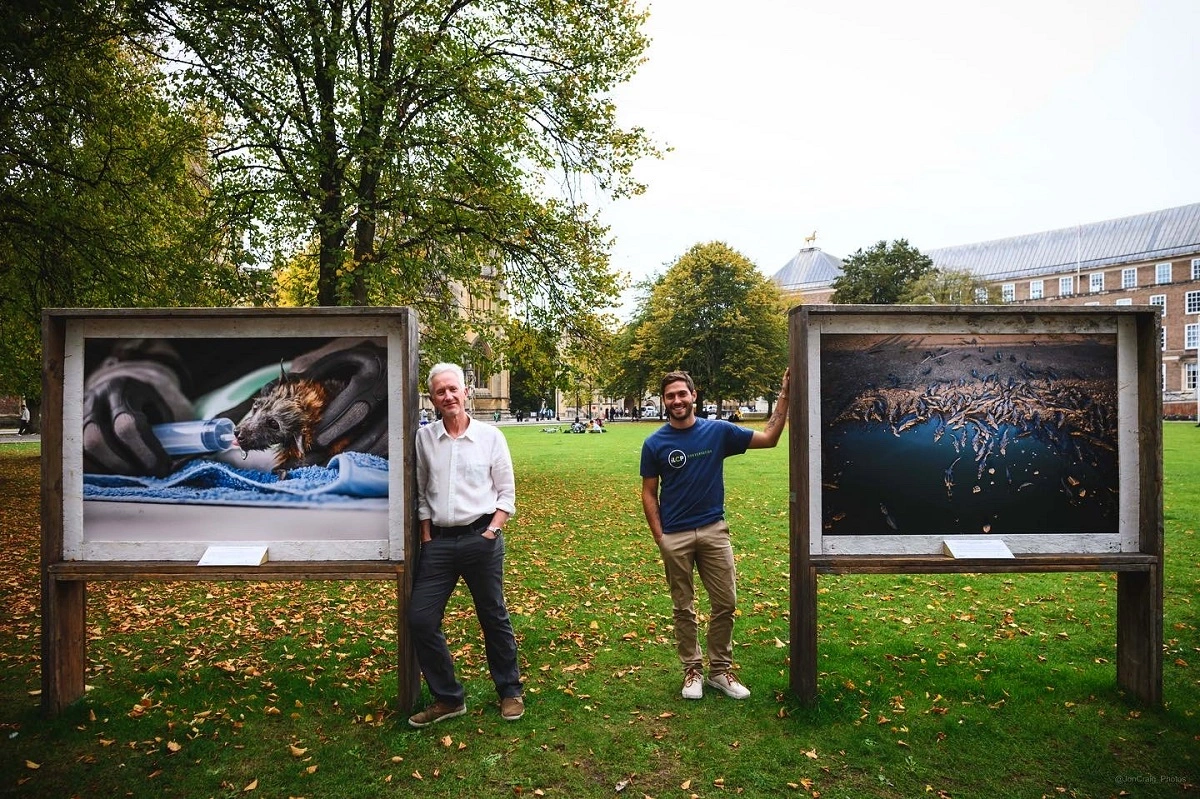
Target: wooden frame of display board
<point x="85" y="539"/>
<point x="979" y="439"/>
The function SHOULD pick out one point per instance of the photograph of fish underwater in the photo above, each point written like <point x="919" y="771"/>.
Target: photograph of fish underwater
<point x="987" y="434"/>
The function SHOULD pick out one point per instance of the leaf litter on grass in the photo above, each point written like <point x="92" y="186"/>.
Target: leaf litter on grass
<point x="931" y="666"/>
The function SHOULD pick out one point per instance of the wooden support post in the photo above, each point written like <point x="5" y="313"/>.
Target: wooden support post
<point x="1140" y="594"/>
<point x="64" y="642"/>
<point x="803" y="621"/>
<point x="64" y="604"/>
<point x="407" y="670"/>
<point x="1139" y="634"/>
<point x="804" y="634"/>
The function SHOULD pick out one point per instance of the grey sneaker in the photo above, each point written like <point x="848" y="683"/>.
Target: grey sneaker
<point x="728" y="684"/>
<point x="693" y="687"/>
<point x="438" y="711"/>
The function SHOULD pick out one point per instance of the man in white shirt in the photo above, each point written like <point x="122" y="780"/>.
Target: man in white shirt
<point x="466" y="491"/>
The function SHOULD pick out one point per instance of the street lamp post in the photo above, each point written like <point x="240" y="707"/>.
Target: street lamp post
<point x="469" y="373"/>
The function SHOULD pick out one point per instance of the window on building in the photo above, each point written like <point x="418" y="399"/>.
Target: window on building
<point x="1096" y="281"/>
<point x="1162" y="338"/>
<point x="1164" y="377"/>
<point x="1161" y="301"/>
<point x="981" y="296"/>
<point x="1008" y="292"/>
<point x="1125" y="301"/>
<point x="1066" y="286"/>
<point x="1196" y="269"/>
<point x="1035" y="289"/>
<point x="1129" y="278"/>
<point x="1191" y="302"/>
<point x="1189" y="377"/>
<point x="1190" y="339"/>
<point x="1162" y="273"/>
<point x="1093" y="302"/>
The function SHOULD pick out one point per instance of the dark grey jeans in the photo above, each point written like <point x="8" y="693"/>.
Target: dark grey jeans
<point x="479" y="561"/>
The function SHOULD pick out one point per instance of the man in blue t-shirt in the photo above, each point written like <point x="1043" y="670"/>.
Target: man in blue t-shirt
<point x="686" y="514"/>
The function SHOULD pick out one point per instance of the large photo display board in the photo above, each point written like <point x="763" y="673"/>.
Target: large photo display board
<point x="284" y="433"/>
<point x="1014" y="427"/>
<point x="281" y="450"/>
<point x="984" y="440"/>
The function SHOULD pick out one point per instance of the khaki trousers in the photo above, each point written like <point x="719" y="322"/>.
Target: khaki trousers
<point x="707" y="551"/>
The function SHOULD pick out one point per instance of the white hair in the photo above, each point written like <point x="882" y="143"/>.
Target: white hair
<point x="438" y="368"/>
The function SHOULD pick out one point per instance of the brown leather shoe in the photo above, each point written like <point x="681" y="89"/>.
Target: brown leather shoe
<point x="438" y="711"/>
<point x="512" y="707"/>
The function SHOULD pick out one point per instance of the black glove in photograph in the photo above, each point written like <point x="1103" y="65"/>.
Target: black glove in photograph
<point x="121" y="402"/>
<point x="359" y="411"/>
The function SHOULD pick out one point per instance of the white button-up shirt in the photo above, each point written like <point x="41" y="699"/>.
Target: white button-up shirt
<point x="460" y="479"/>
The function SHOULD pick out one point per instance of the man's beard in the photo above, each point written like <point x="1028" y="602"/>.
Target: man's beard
<point x="681" y="413"/>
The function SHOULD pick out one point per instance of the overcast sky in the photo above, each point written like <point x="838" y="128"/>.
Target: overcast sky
<point x="941" y="121"/>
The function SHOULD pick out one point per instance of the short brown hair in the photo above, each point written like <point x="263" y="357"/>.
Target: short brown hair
<point x="675" y="377"/>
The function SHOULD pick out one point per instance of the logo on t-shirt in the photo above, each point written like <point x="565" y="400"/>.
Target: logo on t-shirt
<point x="677" y="459"/>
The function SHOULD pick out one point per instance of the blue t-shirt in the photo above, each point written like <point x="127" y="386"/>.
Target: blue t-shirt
<point x="690" y="466"/>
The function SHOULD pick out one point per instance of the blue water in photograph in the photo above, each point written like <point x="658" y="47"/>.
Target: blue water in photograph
<point x="935" y="479"/>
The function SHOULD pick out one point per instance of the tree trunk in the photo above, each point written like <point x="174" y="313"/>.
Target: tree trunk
<point x="364" y="241"/>
<point x="370" y="138"/>
<point x="332" y="252"/>
<point x="331" y="223"/>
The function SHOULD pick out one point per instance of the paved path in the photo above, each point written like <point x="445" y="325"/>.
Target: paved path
<point x="8" y="435"/>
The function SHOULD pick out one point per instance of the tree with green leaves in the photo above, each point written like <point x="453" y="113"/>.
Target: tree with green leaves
<point x="532" y="365"/>
<point x="630" y="374"/>
<point x="589" y="355"/>
<point x="950" y="287"/>
<point x="715" y="316"/>
<point x="103" y="198"/>
<point x="426" y="147"/>
<point x="881" y="274"/>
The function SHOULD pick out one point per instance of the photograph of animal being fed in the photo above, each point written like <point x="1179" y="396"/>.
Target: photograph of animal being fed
<point x="305" y="421"/>
<point x="297" y="422"/>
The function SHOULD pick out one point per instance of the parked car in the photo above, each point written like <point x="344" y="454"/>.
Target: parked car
<point x="650" y="410"/>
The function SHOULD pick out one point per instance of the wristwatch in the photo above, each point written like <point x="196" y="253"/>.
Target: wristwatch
<point x="496" y="530"/>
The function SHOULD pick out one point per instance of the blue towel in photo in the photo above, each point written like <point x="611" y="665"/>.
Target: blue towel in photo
<point x="350" y="477"/>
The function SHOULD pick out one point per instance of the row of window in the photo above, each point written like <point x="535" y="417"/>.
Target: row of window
<point x="1191" y="336"/>
<point x="1066" y="285"/>
<point x="1191" y="300"/>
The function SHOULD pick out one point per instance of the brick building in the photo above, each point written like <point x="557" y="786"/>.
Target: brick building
<point x="1147" y="259"/>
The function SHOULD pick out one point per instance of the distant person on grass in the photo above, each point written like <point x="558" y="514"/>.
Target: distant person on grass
<point x="687" y="519"/>
<point x="465" y="493"/>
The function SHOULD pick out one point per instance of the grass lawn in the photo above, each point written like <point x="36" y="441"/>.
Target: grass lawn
<point x="930" y="685"/>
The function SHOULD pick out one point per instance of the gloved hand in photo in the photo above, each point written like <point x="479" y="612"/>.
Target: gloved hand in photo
<point x="122" y="400"/>
<point x="359" y="412"/>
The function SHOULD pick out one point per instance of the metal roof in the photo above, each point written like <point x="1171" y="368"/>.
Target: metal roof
<point x="1163" y="234"/>
<point x="810" y="268"/>
<point x="1158" y="234"/>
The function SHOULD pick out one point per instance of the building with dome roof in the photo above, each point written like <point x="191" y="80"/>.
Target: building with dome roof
<point x="809" y="275"/>
<point x="1145" y="259"/>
